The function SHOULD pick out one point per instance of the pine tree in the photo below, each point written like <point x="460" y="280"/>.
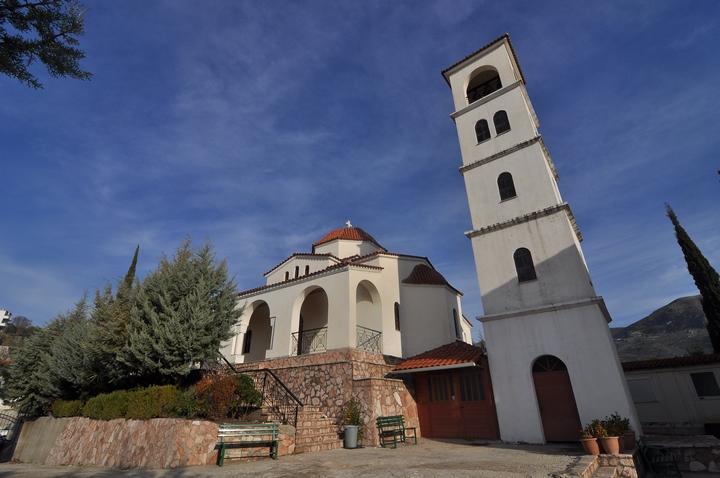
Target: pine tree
<point x="182" y="312"/>
<point x="705" y="277"/>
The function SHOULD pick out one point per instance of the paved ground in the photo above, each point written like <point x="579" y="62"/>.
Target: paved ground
<point x="428" y="459"/>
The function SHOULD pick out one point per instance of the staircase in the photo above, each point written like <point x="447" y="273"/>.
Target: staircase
<point x="315" y="431"/>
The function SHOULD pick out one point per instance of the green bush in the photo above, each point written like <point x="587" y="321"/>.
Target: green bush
<point x="154" y="402"/>
<point x="107" y="406"/>
<point x="67" y="408"/>
<point x="190" y="406"/>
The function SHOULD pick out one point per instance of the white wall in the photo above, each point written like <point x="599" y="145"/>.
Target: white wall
<point x="668" y="396"/>
<point x="345" y="248"/>
<point x="315" y="263"/>
<point x="581" y="339"/>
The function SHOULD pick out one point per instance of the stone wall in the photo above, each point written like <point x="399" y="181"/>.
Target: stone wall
<point x="383" y="397"/>
<point x="120" y="443"/>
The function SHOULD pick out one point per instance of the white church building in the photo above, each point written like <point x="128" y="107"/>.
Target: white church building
<point x="347" y="292"/>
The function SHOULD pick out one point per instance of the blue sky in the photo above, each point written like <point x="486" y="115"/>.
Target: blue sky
<point x="261" y="125"/>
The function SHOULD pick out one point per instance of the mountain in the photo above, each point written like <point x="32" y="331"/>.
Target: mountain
<point x="675" y="329"/>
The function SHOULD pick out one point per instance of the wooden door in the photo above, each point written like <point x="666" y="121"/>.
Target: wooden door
<point x="438" y="405"/>
<point x="556" y="400"/>
<point x="477" y="406"/>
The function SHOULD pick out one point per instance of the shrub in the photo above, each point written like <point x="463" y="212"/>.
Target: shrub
<point x="616" y="425"/>
<point x="107" y="406"/>
<point x="352" y="415"/>
<point x="226" y="396"/>
<point x="595" y="429"/>
<point x="153" y="402"/>
<point x="67" y="408"/>
<point x="189" y="406"/>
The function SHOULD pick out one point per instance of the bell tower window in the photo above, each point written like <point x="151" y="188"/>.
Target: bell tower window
<point x="482" y="131"/>
<point x="502" y="123"/>
<point x="482" y="84"/>
<point x="524" y="265"/>
<point x="506" y="186"/>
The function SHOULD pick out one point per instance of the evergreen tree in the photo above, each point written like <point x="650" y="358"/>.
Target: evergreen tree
<point x="705" y="277"/>
<point x="182" y="312"/>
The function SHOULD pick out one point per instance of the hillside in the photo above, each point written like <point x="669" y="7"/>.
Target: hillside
<point x="677" y="328"/>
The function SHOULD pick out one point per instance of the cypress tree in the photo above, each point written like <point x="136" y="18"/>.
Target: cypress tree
<point x="705" y="277"/>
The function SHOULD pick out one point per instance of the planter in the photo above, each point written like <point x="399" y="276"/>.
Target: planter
<point x="611" y="445"/>
<point x="350" y="437"/>
<point x="628" y="441"/>
<point x="590" y="445"/>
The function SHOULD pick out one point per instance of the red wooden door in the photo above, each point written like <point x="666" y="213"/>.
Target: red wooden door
<point x="556" y="400"/>
<point x="477" y="407"/>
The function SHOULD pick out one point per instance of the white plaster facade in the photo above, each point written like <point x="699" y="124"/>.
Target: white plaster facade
<point x="344" y="294"/>
<point x="5" y="317"/>
<point x="556" y="312"/>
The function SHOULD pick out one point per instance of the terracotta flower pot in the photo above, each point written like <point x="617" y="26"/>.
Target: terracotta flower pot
<point x="611" y="445"/>
<point x="590" y="445"/>
<point x="628" y="441"/>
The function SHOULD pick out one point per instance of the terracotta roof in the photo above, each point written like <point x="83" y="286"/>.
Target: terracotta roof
<point x="350" y="233"/>
<point x="481" y="49"/>
<point x="327" y="269"/>
<point x="426" y="275"/>
<point x="672" y="362"/>
<point x="302" y="254"/>
<point x="454" y="353"/>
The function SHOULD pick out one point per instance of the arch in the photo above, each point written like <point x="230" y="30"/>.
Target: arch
<point x="456" y="324"/>
<point x="506" y="186"/>
<point x="524" y="265"/>
<point x="258" y="335"/>
<point x="287" y="275"/>
<point x="556" y="400"/>
<point x="397" y="316"/>
<point x="482" y="131"/>
<point x="307" y="269"/>
<point x="368" y="308"/>
<point x="483" y="81"/>
<point x="311" y="335"/>
<point x="501" y="121"/>
<point x="297" y="271"/>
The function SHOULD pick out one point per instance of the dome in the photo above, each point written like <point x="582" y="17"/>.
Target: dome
<point x="348" y="233"/>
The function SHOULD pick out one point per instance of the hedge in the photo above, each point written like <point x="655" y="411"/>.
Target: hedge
<point x="67" y="408"/>
<point x="107" y="406"/>
<point x="154" y="402"/>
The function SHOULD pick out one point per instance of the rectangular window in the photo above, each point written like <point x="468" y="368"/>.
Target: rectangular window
<point x="705" y="384"/>
<point x="471" y="388"/>
<point x="439" y="387"/>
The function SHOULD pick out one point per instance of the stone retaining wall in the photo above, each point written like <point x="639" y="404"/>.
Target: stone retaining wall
<point x="120" y="443"/>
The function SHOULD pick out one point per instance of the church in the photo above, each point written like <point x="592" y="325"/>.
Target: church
<point x="388" y="328"/>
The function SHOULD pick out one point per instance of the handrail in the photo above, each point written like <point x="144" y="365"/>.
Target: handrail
<point x="282" y="384"/>
<point x="368" y="339"/>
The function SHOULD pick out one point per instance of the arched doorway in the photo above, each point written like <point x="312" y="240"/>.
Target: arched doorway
<point x="556" y="400"/>
<point x="257" y="339"/>
<point x="312" y="327"/>
<point x="368" y="316"/>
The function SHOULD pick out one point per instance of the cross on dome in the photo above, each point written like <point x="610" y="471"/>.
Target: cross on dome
<point x="348" y="223"/>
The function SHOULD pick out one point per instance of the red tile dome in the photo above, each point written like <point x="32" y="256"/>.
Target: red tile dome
<point x="348" y="233"/>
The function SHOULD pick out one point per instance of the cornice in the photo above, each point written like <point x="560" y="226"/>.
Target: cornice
<point x="550" y="308"/>
<point x="527" y="218"/>
<point x="510" y="150"/>
<point x="485" y="99"/>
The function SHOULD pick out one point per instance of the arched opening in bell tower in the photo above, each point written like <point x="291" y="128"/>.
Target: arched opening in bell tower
<point x="483" y="81"/>
<point x="556" y="400"/>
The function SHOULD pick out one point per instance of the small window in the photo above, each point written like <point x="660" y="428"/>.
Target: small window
<point x="287" y="275"/>
<point x="705" y="384"/>
<point x="502" y="123"/>
<point x="246" y="343"/>
<point x="307" y="270"/>
<point x="458" y="333"/>
<point x="297" y="271"/>
<point x="506" y="186"/>
<point x="524" y="265"/>
<point x="482" y="131"/>
<point x="397" y="316"/>
<point x="440" y="387"/>
<point x="471" y="388"/>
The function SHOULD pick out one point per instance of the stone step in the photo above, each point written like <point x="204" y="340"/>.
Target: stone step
<point x="315" y="423"/>
<point x="316" y="429"/>
<point x="308" y="415"/>
<point x="318" y="447"/>
<point x="311" y="440"/>
<point x="605" y="472"/>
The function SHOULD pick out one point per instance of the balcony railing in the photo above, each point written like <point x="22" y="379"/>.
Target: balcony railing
<point x="309" y="341"/>
<point x="369" y="340"/>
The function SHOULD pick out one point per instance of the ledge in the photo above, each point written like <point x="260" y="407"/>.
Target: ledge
<point x="510" y="150"/>
<point x="548" y="211"/>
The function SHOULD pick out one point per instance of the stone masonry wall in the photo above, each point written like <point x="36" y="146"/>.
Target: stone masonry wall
<point x="383" y="397"/>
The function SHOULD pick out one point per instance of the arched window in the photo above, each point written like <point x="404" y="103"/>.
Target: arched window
<point x="297" y="271"/>
<point x="458" y="333"/>
<point x="502" y="123"/>
<point x="397" y="316"/>
<point x="307" y="270"/>
<point x="482" y="131"/>
<point x="482" y="84"/>
<point x="524" y="265"/>
<point x="246" y="343"/>
<point x="287" y="275"/>
<point x="548" y="363"/>
<point x="506" y="186"/>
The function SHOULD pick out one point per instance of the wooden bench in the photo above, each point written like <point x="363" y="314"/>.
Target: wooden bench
<point x="392" y="430"/>
<point x="241" y="435"/>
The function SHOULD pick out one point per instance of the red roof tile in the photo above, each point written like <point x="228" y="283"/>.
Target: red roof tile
<point x="423" y="274"/>
<point x="303" y="254"/>
<point x="672" y="362"/>
<point x="502" y="37"/>
<point x="454" y="353"/>
<point x="349" y="233"/>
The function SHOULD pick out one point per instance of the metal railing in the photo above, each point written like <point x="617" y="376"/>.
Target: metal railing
<point x="309" y="341"/>
<point x="278" y="401"/>
<point x="368" y="340"/>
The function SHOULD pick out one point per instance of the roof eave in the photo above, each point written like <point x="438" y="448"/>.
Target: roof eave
<point x="505" y="36"/>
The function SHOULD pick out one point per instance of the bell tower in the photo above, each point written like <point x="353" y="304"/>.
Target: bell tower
<point x="552" y="359"/>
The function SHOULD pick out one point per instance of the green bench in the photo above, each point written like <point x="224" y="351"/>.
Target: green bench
<point x="242" y="435"/>
<point x="392" y="430"/>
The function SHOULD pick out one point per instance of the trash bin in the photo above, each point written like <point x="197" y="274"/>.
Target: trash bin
<point x="350" y="436"/>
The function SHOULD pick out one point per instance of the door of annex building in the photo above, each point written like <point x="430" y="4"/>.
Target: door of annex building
<point x="456" y="404"/>
<point x="556" y="401"/>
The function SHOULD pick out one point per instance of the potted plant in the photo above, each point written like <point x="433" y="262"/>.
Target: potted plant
<point x="611" y="444"/>
<point x="589" y="441"/>
<point x="352" y="423"/>
<point x="616" y="425"/>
